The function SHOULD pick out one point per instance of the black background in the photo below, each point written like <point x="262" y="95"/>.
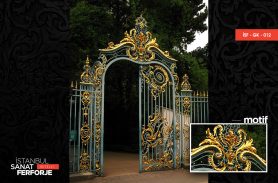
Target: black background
<point x="243" y="76"/>
<point x="34" y="86"/>
<point x="35" y="67"/>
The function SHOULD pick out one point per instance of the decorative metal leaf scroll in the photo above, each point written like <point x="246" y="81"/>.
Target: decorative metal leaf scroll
<point x="157" y="77"/>
<point x="140" y="44"/>
<point x="228" y="151"/>
<point x="157" y="134"/>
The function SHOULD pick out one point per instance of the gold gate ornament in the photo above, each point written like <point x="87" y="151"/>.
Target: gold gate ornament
<point x="229" y="150"/>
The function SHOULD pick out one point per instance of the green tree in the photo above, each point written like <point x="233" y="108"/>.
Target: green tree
<point x="202" y="55"/>
<point x="197" y="73"/>
<point x="90" y="27"/>
<point x="173" y="22"/>
<point x="257" y="133"/>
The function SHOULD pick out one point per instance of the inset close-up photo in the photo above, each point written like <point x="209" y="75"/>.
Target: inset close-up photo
<point x="228" y="148"/>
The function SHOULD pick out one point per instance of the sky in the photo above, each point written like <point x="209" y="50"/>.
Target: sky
<point x="201" y="39"/>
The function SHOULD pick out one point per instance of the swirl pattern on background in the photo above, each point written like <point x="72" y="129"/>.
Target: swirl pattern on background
<point x="34" y="73"/>
<point x="243" y="76"/>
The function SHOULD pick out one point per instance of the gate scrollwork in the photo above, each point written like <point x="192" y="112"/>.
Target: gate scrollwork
<point x="157" y="133"/>
<point x="85" y="133"/>
<point x="230" y="150"/>
<point x="139" y="44"/>
<point x="157" y="77"/>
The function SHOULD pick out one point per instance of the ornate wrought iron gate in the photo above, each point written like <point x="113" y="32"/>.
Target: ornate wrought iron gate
<point x="156" y="119"/>
<point x="164" y="113"/>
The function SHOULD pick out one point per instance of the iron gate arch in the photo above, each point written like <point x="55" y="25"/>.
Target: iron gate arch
<point x="163" y="130"/>
<point x="141" y="169"/>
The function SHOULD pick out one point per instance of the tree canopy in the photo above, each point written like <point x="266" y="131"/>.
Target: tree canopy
<point x="94" y="23"/>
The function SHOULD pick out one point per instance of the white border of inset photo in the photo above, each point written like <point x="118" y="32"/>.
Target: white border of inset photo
<point x="266" y="126"/>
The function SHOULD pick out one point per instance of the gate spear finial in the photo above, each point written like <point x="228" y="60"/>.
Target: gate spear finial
<point x="86" y="76"/>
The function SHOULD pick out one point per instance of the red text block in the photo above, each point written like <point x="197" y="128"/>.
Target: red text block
<point x="48" y="166"/>
<point x="256" y="34"/>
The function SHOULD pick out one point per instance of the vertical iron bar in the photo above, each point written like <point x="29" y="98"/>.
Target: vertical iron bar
<point x="74" y="129"/>
<point x="148" y="92"/>
<point x="140" y="113"/>
<point x="155" y="107"/>
<point x="204" y="107"/>
<point x="207" y="107"/>
<point x="174" y="124"/>
<point x="102" y="129"/>
<point x="198" y="120"/>
<point x="144" y="100"/>
<point x="90" y="127"/>
<point x="191" y="108"/>
<point x="94" y="136"/>
<point x="79" y="126"/>
<point x="166" y="112"/>
<point x="181" y="127"/>
<point x="201" y="107"/>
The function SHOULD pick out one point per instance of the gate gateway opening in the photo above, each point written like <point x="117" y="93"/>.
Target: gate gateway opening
<point x="121" y="102"/>
<point x="164" y="113"/>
